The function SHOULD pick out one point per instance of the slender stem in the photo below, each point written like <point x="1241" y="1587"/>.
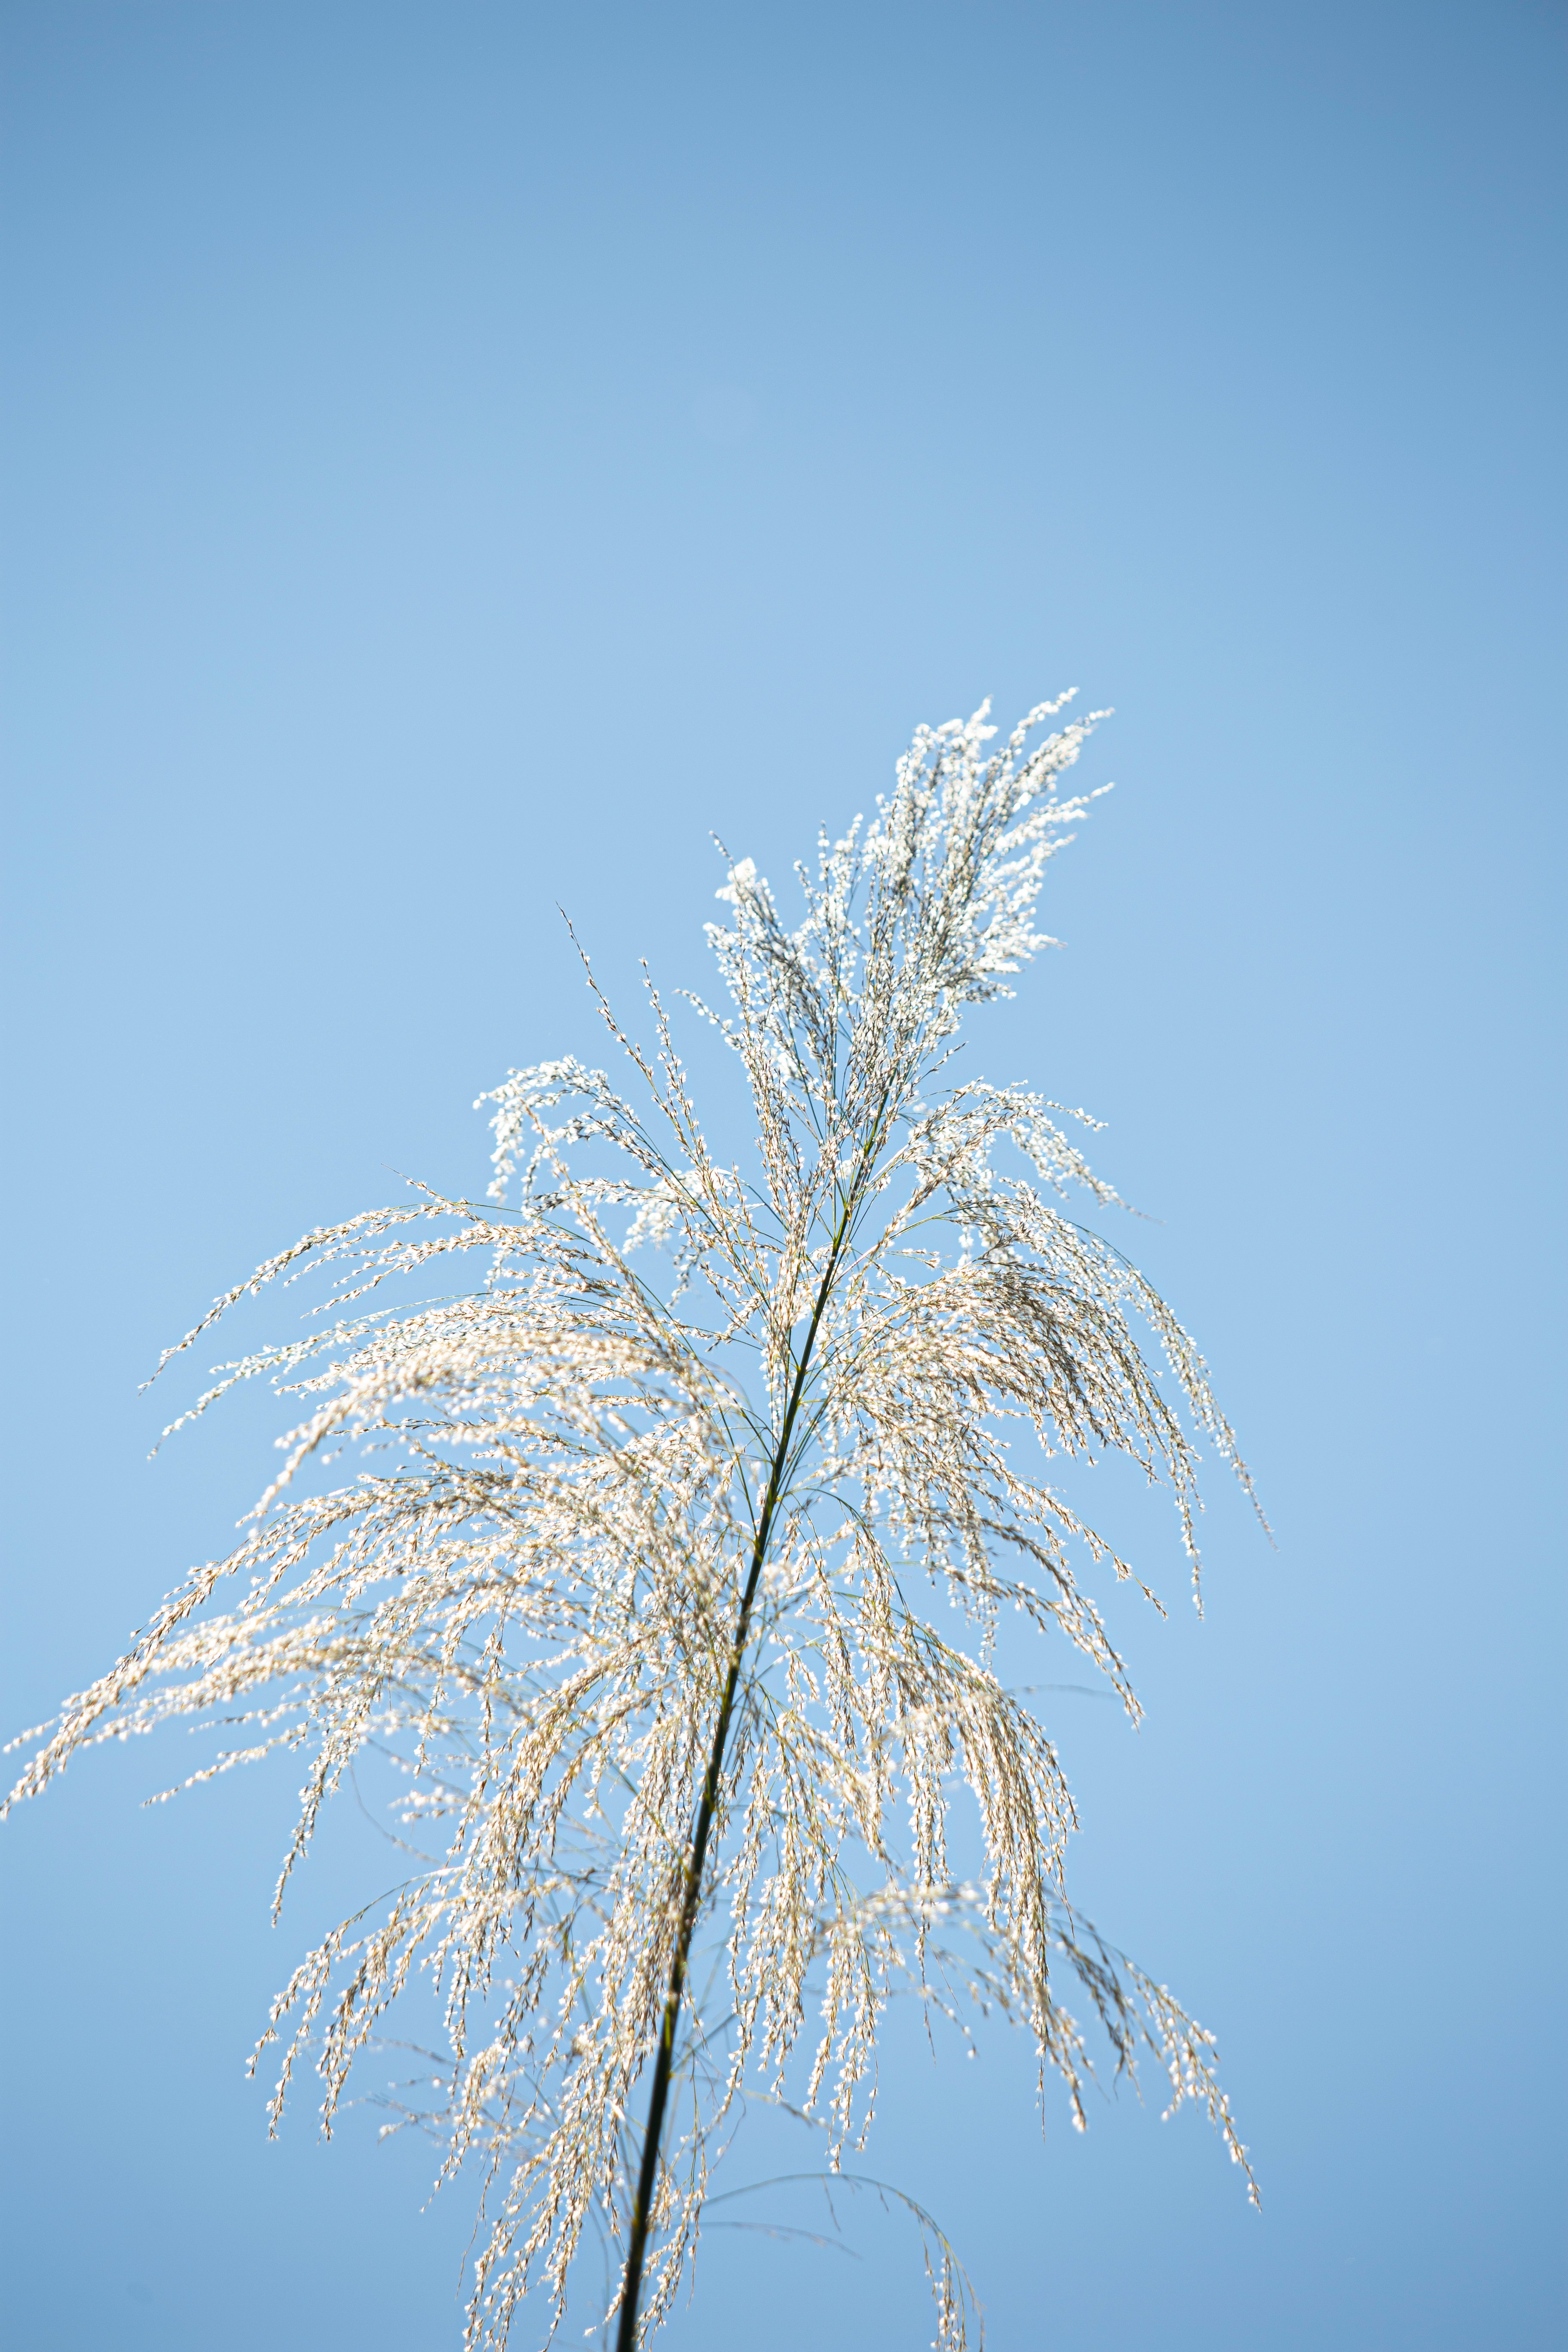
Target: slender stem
<point x="691" y="1889"/>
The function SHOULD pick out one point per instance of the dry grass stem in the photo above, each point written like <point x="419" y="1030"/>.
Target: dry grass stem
<point x="620" y="1547"/>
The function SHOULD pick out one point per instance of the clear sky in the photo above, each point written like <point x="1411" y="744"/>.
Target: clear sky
<point x="458" y="456"/>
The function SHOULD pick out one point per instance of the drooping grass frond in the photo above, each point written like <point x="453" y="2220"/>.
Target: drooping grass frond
<point x="639" y="1584"/>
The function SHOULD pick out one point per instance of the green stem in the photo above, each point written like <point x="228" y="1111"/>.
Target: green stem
<point x="691" y="1890"/>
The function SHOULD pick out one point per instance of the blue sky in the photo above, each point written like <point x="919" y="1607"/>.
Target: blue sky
<point x="457" y="458"/>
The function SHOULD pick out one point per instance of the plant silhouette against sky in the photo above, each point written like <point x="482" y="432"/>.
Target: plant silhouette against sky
<point x="676" y="1599"/>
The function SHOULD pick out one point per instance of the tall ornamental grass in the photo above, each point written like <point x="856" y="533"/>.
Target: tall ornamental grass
<point x="671" y="1571"/>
